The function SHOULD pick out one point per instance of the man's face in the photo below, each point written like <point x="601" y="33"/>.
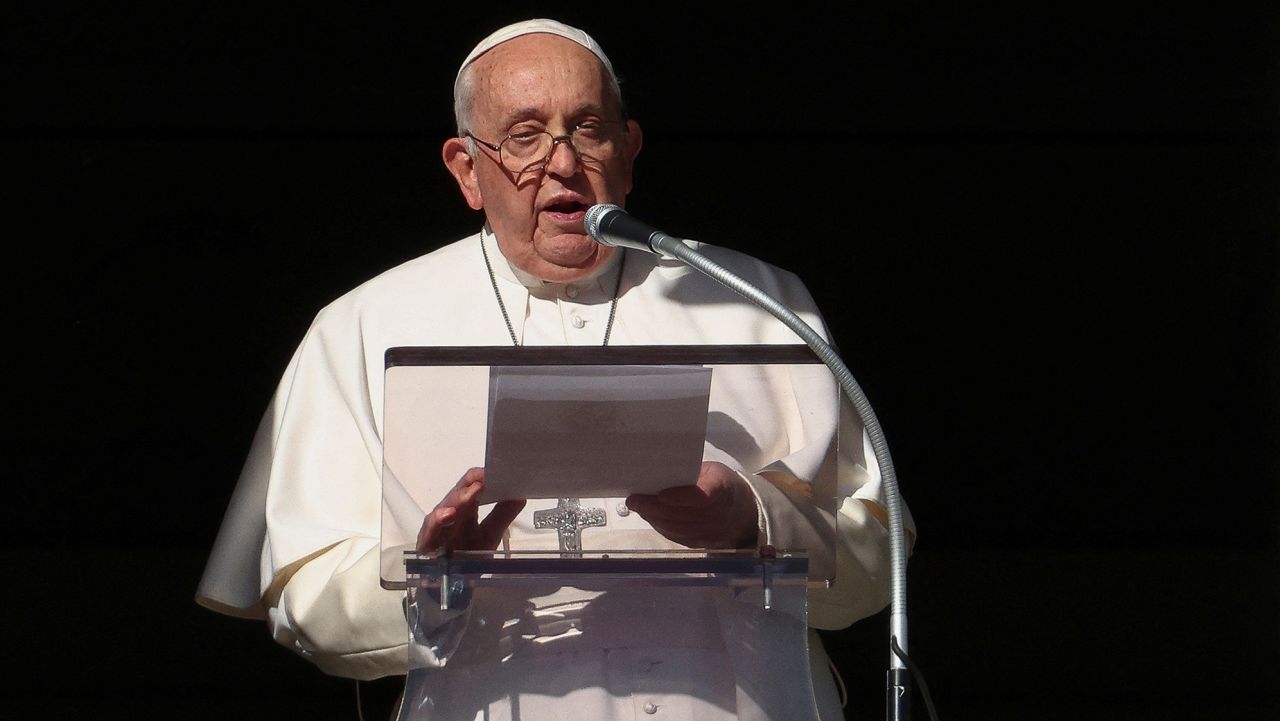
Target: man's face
<point x="534" y="83"/>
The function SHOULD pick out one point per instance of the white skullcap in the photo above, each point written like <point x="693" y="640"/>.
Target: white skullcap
<point x="529" y="27"/>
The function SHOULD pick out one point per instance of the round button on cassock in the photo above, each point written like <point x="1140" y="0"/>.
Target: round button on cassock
<point x="576" y="321"/>
<point x="651" y="708"/>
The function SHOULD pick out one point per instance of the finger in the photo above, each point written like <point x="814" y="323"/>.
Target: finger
<point x="656" y="512"/>
<point x="496" y="523"/>
<point x="464" y="496"/>
<point x="650" y="509"/>
<point x="436" y="528"/>
<point x="642" y="502"/>
<point x="687" y="496"/>
<point x="456" y="510"/>
<point x="469" y="495"/>
<point x="643" y="505"/>
<point x="465" y="485"/>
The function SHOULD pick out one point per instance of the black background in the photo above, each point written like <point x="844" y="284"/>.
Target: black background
<point x="1045" y="240"/>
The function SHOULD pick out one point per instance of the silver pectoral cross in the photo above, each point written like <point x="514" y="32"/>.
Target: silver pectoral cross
<point x="569" y="518"/>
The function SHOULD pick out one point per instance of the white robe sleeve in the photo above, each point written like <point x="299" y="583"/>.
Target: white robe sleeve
<point x="320" y="560"/>
<point x="851" y="547"/>
<point x="333" y="612"/>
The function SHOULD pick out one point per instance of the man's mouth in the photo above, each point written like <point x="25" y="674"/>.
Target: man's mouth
<point x="567" y="209"/>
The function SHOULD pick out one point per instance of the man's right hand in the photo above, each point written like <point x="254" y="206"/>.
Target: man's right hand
<point x="454" y="522"/>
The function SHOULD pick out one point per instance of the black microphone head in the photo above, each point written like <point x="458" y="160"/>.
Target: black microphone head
<point x="596" y="215"/>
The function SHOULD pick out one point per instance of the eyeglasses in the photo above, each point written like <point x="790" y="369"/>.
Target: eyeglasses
<point x="594" y="141"/>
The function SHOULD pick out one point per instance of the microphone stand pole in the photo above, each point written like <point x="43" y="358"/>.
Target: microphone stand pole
<point x="897" y="679"/>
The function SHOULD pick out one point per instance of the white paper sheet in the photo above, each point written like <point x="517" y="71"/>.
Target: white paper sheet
<point x="593" y="431"/>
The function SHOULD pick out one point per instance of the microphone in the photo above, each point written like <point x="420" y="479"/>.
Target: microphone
<point x="610" y="225"/>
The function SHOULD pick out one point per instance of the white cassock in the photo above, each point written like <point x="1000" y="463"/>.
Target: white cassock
<point x="309" y="564"/>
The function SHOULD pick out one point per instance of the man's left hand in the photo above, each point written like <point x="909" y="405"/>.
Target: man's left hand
<point x="717" y="511"/>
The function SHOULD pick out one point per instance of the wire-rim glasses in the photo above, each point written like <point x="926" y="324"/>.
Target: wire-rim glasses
<point x="593" y="141"/>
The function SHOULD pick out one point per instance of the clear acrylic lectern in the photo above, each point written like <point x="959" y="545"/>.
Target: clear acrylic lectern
<point x="622" y="634"/>
<point x="584" y="606"/>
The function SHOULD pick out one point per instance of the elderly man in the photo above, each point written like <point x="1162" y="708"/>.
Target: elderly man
<point x="542" y="136"/>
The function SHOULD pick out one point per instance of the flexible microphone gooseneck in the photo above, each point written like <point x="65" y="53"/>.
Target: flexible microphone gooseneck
<point x="610" y="225"/>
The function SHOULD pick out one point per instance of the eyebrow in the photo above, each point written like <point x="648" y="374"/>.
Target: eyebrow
<point x="528" y="113"/>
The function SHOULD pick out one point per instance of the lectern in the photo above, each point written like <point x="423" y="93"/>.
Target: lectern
<point x="582" y="613"/>
<point x="609" y="635"/>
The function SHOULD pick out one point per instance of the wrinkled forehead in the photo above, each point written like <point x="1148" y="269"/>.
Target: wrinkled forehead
<point x="544" y="59"/>
<point x="536" y="77"/>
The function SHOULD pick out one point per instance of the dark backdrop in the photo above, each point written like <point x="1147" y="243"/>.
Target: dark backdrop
<point x="1045" y="240"/>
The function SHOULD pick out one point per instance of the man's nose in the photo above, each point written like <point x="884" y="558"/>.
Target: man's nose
<point x="563" y="163"/>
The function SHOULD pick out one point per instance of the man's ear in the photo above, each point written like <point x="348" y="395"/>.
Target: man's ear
<point x="633" y="140"/>
<point x="462" y="166"/>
